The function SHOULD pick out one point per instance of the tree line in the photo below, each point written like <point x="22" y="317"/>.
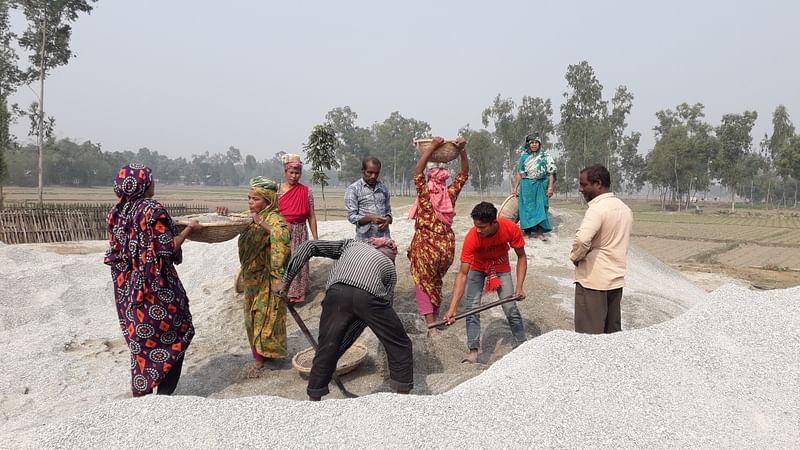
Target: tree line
<point x="689" y="156"/>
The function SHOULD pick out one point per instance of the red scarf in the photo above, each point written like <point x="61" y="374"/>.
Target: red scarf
<point x="293" y="204"/>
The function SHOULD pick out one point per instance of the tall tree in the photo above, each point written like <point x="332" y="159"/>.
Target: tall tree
<point x="583" y="130"/>
<point x="47" y="40"/>
<point x="482" y="152"/>
<point x="10" y="79"/>
<point x="394" y="138"/>
<point x="782" y="131"/>
<point x="321" y="150"/>
<point x="735" y="143"/>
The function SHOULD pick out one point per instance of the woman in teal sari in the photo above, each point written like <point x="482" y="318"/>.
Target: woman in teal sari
<point x="533" y="184"/>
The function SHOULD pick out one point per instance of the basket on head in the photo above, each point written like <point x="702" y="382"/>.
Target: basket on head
<point x="354" y="355"/>
<point x="510" y="208"/>
<point x="445" y="153"/>
<point x="217" y="228"/>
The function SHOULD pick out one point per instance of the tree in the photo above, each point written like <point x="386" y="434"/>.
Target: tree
<point x="788" y="162"/>
<point x="632" y="164"/>
<point x="321" y="150"/>
<point x="47" y="40"/>
<point x="394" y="139"/>
<point x="10" y="79"/>
<point x="583" y="130"/>
<point x="735" y="142"/>
<point x="782" y="131"/>
<point x="482" y="151"/>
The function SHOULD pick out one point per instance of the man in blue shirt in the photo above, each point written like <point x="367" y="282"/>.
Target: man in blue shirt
<point x="367" y="203"/>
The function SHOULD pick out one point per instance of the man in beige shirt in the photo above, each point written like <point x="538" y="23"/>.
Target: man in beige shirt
<point x="599" y="252"/>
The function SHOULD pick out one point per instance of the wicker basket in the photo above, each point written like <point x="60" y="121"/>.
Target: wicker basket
<point x="444" y="153"/>
<point x="510" y="208"/>
<point x="303" y="360"/>
<point x="216" y="228"/>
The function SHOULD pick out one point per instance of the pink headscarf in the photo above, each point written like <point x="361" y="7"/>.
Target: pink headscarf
<point x="385" y="246"/>
<point x="437" y="189"/>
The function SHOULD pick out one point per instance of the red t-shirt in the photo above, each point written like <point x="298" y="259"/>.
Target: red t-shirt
<point x="480" y="252"/>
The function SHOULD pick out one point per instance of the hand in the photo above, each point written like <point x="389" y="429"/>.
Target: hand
<point x="279" y="288"/>
<point x="258" y="221"/>
<point x="520" y="295"/>
<point x="384" y="224"/>
<point x="222" y="211"/>
<point x="460" y="143"/>
<point x="448" y="317"/>
<point x="514" y="192"/>
<point x="549" y="192"/>
<point x="437" y="142"/>
<point x="194" y="226"/>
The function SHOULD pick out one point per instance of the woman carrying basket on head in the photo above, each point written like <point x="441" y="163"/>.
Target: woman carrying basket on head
<point x="296" y="205"/>
<point x="433" y="246"/>
<point x="533" y="183"/>
<point x="264" y="251"/>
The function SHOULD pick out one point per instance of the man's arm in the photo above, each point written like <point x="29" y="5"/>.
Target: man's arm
<point x="592" y="221"/>
<point x="351" y="204"/>
<point x="308" y="250"/>
<point x="522" y="269"/>
<point x="458" y="291"/>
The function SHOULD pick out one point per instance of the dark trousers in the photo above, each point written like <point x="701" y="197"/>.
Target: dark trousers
<point x="170" y="382"/>
<point x="346" y="311"/>
<point x="597" y="312"/>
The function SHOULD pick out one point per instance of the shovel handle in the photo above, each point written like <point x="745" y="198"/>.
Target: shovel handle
<point x="313" y="342"/>
<point x="474" y="311"/>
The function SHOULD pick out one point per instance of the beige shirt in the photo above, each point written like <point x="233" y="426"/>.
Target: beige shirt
<point x="601" y="244"/>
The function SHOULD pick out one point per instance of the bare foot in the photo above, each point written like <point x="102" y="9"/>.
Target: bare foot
<point x="433" y="332"/>
<point x="541" y="237"/>
<point x="255" y="370"/>
<point x="472" y="357"/>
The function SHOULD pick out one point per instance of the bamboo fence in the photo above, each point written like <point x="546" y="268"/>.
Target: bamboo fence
<point x="33" y="223"/>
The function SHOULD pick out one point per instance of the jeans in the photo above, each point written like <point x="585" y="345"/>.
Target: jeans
<point x="475" y="282"/>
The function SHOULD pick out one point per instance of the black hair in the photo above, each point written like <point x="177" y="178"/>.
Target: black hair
<point x="598" y="173"/>
<point x="485" y="212"/>
<point x="370" y="159"/>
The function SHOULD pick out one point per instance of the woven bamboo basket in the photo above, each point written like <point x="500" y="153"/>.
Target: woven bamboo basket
<point x="354" y="356"/>
<point x="510" y="208"/>
<point x="216" y="228"/>
<point x="445" y="153"/>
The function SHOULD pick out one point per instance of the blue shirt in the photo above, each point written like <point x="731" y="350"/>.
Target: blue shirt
<point x="361" y="199"/>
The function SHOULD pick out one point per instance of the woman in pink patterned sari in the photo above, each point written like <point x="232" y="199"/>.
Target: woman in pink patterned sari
<point x="296" y="205"/>
<point x="153" y="310"/>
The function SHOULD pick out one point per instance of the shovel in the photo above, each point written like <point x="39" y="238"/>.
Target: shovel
<point x="313" y="342"/>
<point x="510" y="298"/>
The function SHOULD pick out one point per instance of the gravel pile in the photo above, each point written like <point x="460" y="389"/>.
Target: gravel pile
<point x="724" y="374"/>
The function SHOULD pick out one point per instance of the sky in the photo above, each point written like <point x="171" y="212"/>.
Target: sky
<point x="183" y="77"/>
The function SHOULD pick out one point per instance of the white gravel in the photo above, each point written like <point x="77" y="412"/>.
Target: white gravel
<point x="724" y="374"/>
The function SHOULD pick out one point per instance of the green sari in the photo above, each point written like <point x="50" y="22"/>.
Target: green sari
<point x="264" y="256"/>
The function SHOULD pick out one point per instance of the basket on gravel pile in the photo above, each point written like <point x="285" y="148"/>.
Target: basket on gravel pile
<point x="445" y="153"/>
<point x="216" y="228"/>
<point x="303" y="360"/>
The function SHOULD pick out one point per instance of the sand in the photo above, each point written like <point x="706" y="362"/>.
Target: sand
<point x="65" y="381"/>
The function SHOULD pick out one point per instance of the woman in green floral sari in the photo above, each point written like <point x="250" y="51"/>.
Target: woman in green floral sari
<point x="264" y="250"/>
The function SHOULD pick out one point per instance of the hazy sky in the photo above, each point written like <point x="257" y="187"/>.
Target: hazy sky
<point x="184" y="77"/>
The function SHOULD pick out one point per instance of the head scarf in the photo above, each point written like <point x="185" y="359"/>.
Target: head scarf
<point x="440" y="199"/>
<point x="132" y="182"/>
<point x="385" y="246"/>
<point x="267" y="189"/>
<point x="291" y="161"/>
<point x="531" y="138"/>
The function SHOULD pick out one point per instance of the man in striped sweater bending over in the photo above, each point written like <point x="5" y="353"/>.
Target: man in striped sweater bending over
<point x="359" y="294"/>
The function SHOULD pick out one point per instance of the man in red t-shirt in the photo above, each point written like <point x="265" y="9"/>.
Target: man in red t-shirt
<point x="484" y="260"/>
